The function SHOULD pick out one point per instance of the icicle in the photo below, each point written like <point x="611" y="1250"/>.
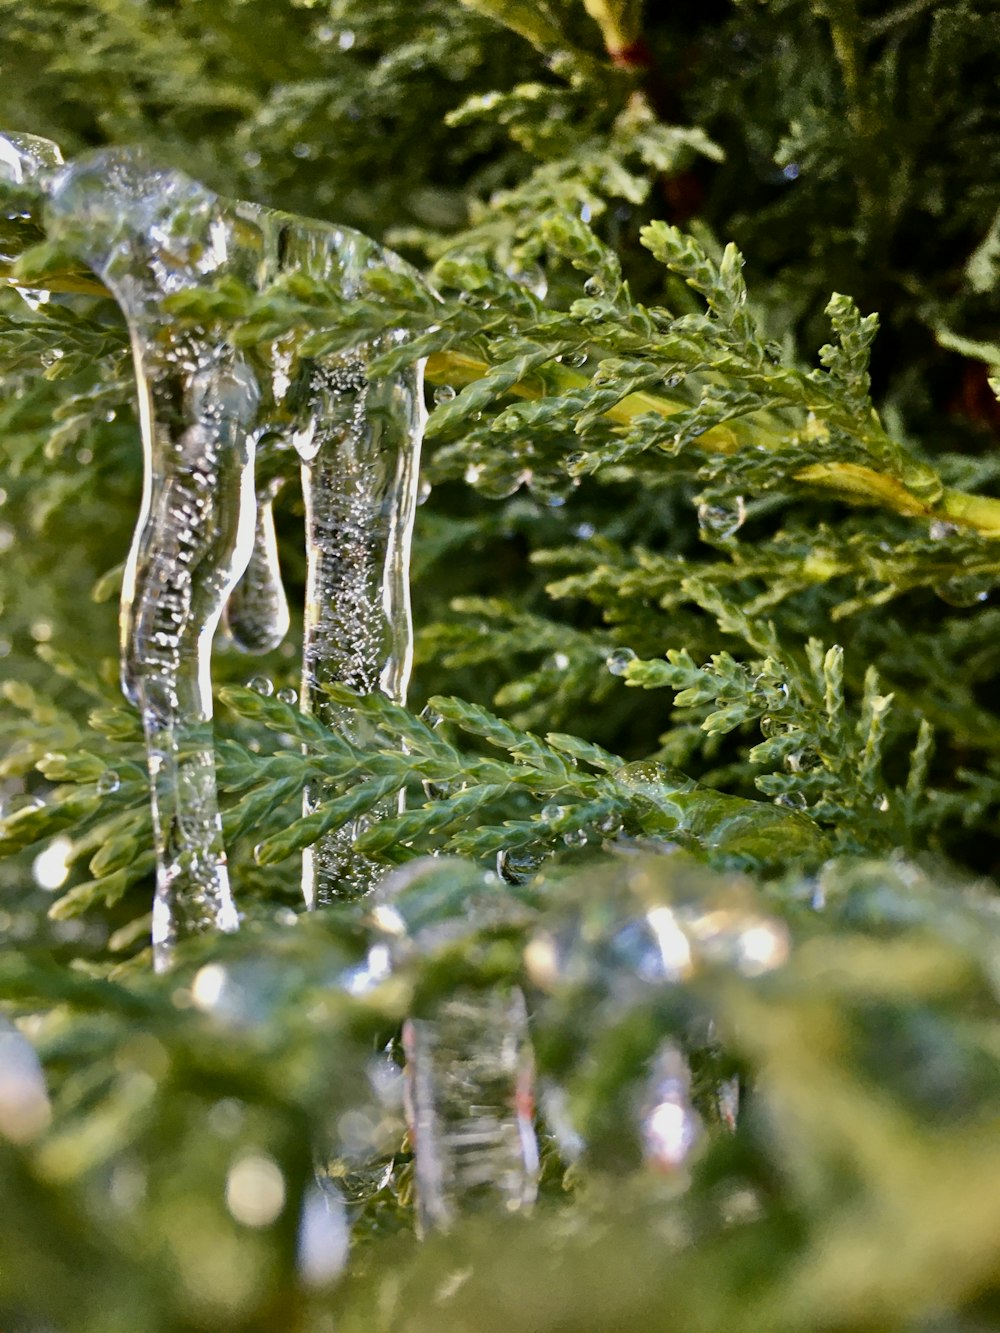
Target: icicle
<point x="469" y="1061"/>
<point x="22" y="158"/>
<point x="150" y="234"/>
<point x="256" y="616"/>
<point x="359" y="477"/>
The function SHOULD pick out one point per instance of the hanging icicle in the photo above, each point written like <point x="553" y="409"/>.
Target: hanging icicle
<point x="469" y="1060"/>
<point x="359" y="478"/>
<point x="204" y="405"/>
<point x="149" y="234"/>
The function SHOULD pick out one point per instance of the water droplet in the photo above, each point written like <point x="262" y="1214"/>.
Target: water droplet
<point x="108" y="782"/>
<point x="261" y="685"/>
<point x="444" y="393"/>
<point x="880" y="802"/>
<point x="722" y="520"/>
<point x="423" y="491"/>
<point x="560" y="661"/>
<point x="619" y="661"/>
<point x="942" y="531"/>
<point x="516" y="866"/>
<point x="552" y="812"/>
<point x="594" y="286"/>
<point x="532" y="278"/>
<point x="288" y="695"/>
<point x="346" y="39"/>
<point x="576" y="838"/>
<point x="962" y="592"/>
<point x="577" y="359"/>
<point x="791" y="800"/>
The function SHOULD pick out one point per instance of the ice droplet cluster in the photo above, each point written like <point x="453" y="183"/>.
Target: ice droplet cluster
<point x="205" y="535"/>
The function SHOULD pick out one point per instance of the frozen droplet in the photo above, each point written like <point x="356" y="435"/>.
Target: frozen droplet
<point x="594" y="286"/>
<point x="720" y="520"/>
<point x="108" y="782"/>
<point x="444" y="393"/>
<point x="288" y="696"/>
<point x="262" y="685"/>
<point x="618" y="662"/>
<point x="256" y="615"/>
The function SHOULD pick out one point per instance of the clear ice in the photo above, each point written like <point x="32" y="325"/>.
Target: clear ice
<point x="22" y="158"/>
<point x="256" y="615"/>
<point x="469" y="1059"/>
<point x="205" y="407"/>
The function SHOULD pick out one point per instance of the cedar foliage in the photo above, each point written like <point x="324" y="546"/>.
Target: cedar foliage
<point x="708" y="560"/>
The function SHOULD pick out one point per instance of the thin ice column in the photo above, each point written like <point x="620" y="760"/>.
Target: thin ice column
<point x="149" y="234"/>
<point x="359" y="478"/>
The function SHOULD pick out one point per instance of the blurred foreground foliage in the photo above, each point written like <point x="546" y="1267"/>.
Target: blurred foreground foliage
<point x="704" y="589"/>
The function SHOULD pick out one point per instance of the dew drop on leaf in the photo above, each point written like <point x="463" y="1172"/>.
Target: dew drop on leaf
<point x="620" y="660"/>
